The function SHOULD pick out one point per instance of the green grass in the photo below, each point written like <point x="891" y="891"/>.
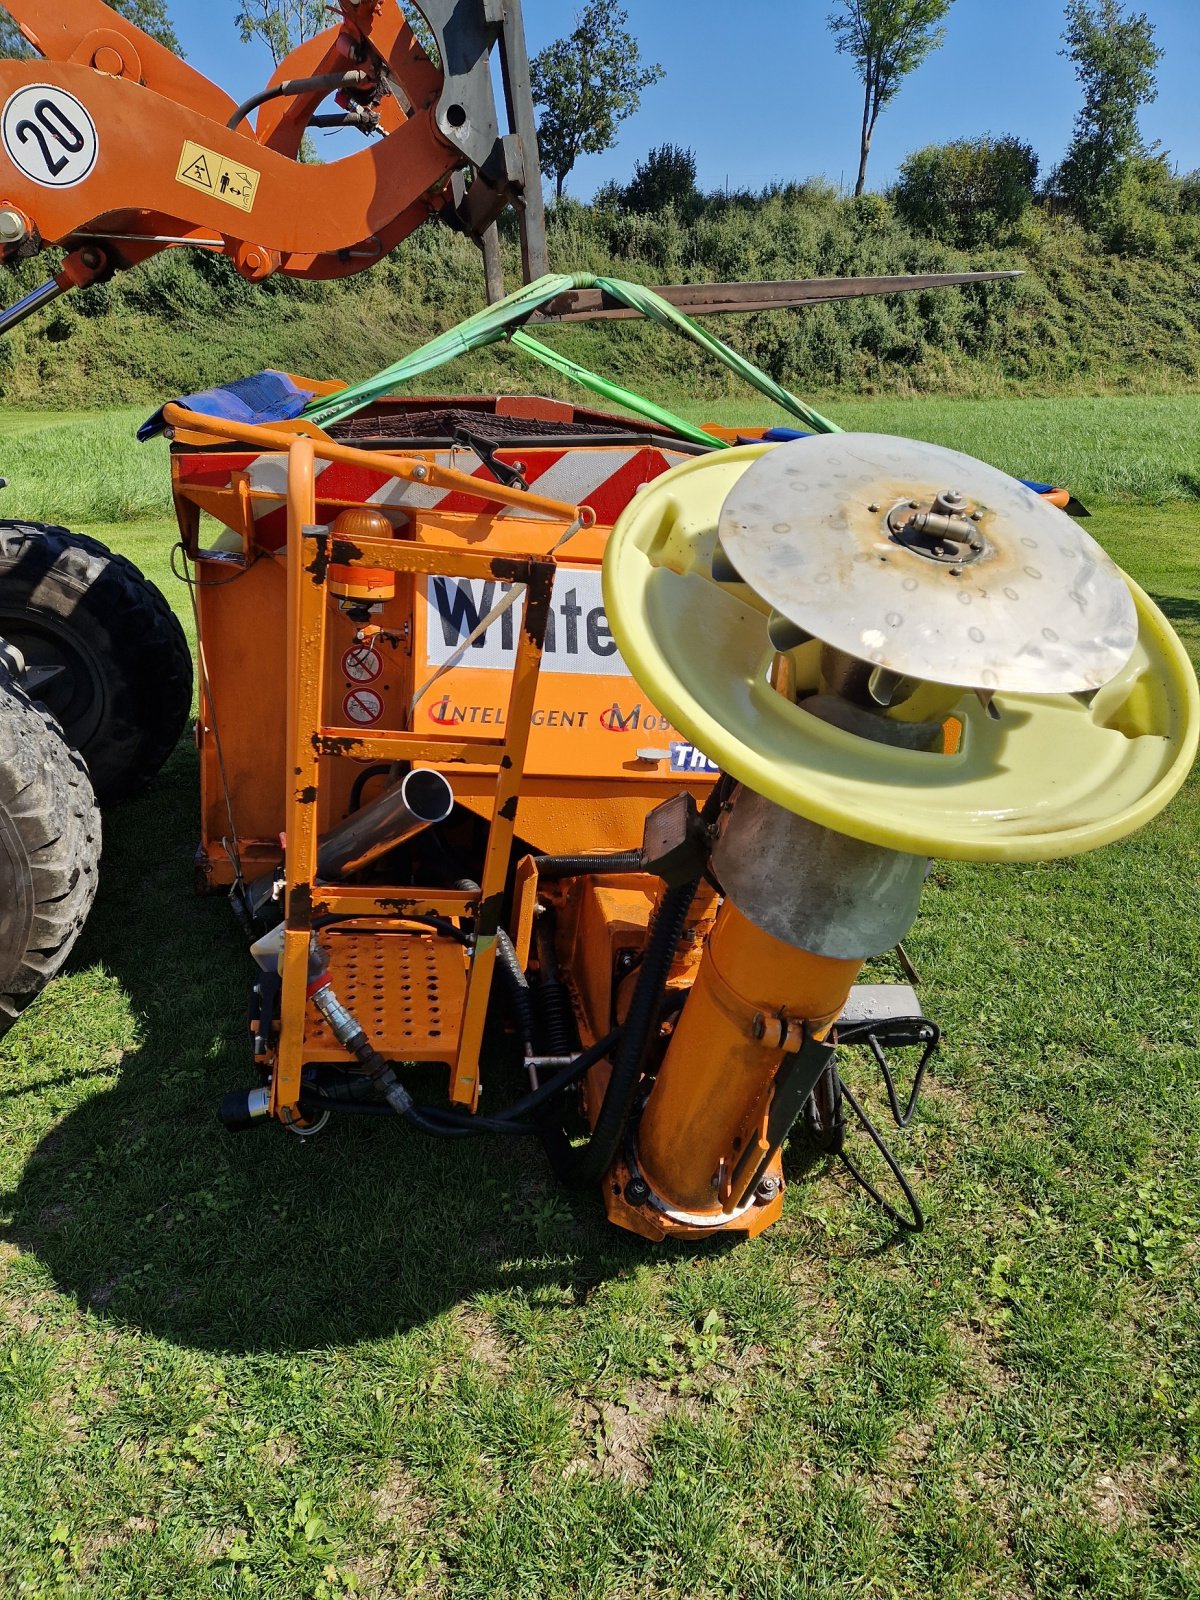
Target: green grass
<point x="1145" y="449"/>
<point x="371" y="1365"/>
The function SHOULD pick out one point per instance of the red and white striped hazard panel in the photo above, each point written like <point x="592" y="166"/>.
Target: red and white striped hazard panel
<point x="605" y="479"/>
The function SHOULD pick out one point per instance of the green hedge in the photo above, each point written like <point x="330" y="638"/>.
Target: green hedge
<point x="1080" y="320"/>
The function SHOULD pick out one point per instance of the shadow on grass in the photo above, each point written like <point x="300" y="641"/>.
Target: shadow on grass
<point x="149" y="1214"/>
<point x="1178" y="608"/>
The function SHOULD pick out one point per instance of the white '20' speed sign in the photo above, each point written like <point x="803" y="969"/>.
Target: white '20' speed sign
<point x="49" y="136"/>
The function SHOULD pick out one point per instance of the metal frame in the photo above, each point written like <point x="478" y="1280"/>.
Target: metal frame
<point x="309" y="737"/>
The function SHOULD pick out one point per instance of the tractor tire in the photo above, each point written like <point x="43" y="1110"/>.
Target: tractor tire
<point x="103" y="651"/>
<point x="49" y="849"/>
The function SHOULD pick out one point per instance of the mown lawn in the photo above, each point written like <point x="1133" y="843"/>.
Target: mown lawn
<point x="372" y="1365"/>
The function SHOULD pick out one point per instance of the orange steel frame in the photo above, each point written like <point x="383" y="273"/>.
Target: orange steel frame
<point x="312" y="221"/>
<point x="310" y="550"/>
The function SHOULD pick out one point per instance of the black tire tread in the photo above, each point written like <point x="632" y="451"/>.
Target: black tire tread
<point x="47" y="797"/>
<point x="151" y="706"/>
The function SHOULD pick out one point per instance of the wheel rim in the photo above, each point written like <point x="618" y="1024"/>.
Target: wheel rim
<point x="62" y="674"/>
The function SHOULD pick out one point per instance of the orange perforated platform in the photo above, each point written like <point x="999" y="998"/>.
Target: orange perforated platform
<point x="405" y="988"/>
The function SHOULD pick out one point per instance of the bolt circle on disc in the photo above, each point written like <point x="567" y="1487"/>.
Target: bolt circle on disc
<point x="1035" y="606"/>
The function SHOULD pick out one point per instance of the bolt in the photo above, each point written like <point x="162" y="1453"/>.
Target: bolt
<point x="420" y="472"/>
<point x="12" y="228"/>
<point x="767" y="1189"/>
<point x="977" y="544"/>
<point x="977" y="516"/>
<point x="956" y="572"/>
<point x="874" y="506"/>
<point x="914" y="505"/>
<point x="758" y="1025"/>
<point x="637" y="1192"/>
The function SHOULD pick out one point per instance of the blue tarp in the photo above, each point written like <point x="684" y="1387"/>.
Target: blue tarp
<point x="266" y="397"/>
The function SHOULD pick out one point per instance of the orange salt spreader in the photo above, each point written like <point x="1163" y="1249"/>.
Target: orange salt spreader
<point x="670" y="773"/>
<point x="657" y="729"/>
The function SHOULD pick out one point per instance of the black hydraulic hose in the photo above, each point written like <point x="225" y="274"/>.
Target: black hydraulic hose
<point x="325" y="82"/>
<point x="512" y="974"/>
<point x="377" y="769"/>
<point x="580" y="1167"/>
<point x="550" y="867"/>
<point x="584" y="1166"/>
<point x="358" y="1095"/>
<point x="552" y="1003"/>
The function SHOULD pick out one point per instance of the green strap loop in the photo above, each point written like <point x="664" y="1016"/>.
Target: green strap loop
<point x="502" y="320"/>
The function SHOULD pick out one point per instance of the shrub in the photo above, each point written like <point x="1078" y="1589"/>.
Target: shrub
<point x="667" y="177"/>
<point x="1135" y="218"/>
<point x="965" y="191"/>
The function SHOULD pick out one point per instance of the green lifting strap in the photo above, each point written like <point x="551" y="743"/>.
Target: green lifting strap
<point x="502" y="321"/>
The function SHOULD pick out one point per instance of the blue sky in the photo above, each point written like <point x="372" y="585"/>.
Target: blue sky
<point x="757" y="91"/>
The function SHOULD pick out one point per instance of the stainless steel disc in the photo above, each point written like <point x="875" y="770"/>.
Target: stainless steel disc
<point x="929" y="563"/>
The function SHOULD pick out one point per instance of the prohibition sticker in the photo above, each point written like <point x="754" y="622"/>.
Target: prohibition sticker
<point x="361" y="663"/>
<point x="214" y="174"/>
<point x="49" y="136"/>
<point x="362" y="706"/>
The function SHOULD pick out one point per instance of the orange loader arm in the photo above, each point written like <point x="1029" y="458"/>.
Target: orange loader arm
<point x="113" y="149"/>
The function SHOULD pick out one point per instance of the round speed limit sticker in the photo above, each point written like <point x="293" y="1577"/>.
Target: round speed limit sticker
<point x="362" y="706"/>
<point x="49" y="136"/>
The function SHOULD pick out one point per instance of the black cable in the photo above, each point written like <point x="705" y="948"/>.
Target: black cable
<point x="909" y="1030"/>
<point x="926" y="1032"/>
<point x="913" y="1223"/>
<point x="377" y="769"/>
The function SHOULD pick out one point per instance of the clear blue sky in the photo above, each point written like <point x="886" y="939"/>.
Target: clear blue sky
<point x="757" y="91"/>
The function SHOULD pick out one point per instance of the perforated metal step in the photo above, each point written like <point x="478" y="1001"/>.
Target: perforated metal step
<point x="406" y="989"/>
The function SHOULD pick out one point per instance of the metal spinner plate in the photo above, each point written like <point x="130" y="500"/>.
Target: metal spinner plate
<point x="1035" y="606"/>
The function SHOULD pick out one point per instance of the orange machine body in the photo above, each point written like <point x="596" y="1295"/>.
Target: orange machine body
<point x="600" y="755"/>
<point x="351" y="595"/>
<point x="114" y="148"/>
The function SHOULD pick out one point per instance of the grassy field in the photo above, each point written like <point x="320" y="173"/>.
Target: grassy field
<point x="1145" y="450"/>
<point x="374" y="1366"/>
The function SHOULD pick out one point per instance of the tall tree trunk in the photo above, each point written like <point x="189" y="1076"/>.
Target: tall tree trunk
<point x="864" y="145"/>
<point x="560" y="179"/>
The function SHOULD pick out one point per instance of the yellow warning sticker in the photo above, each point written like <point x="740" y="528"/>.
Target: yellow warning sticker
<point x="211" y="173"/>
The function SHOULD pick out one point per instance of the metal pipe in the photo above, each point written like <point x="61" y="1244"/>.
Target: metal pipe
<point x="420" y="799"/>
<point x="28" y="304"/>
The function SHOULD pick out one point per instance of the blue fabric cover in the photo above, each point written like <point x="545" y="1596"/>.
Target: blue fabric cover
<point x="266" y="397"/>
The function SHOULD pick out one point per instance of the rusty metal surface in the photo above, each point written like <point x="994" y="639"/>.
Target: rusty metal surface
<point x="1039" y="609"/>
<point x="703" y="299"/>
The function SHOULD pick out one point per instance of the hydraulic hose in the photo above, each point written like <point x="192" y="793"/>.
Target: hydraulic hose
<point x="512" y="975"/>
<point x="584" y="1166"/>
<point x="360" y="1096"/>
<point x="552" y="1003"/>
<point x="580" y="1167"/>
<point x="324" y="82"/>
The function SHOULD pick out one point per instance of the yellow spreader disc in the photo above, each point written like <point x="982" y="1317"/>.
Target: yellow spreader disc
<point x="1053" y="776"/>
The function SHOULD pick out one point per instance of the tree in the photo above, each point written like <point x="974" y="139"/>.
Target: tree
<point x="886" y="39"/>
<point x="588" y="83"/>
<point x="282" y="24"/>
<point x="666" y="177"/>
<point x="148" y="15"/>
<point x="1115" y="56"/>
